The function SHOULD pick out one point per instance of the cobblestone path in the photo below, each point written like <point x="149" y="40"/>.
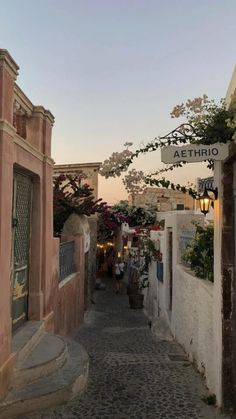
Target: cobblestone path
<point x="132" y="375"/>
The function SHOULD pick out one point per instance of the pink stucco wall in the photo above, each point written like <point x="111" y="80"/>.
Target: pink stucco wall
<point x="31" y="154"/>
<point x="25" y="143"/>
<point x="68" y="300"/>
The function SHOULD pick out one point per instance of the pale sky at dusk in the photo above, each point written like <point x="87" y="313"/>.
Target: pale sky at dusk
<point x="111" y="70"/>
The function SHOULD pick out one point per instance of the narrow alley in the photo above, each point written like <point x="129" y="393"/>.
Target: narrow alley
<point x="132" y="374"/>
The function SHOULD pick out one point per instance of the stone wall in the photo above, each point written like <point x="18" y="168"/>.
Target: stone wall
<point x="224" y="266"/>
<point x="228" y="281"/>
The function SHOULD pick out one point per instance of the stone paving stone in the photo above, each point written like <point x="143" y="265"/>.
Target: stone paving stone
<point x="131" y="375"/>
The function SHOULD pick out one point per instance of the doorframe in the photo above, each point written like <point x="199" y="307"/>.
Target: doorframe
<point x="17" y="170"/>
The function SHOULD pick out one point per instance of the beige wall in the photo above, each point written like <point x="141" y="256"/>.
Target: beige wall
<point x="162" y="199"/>
<point x="89" y="169"/>
<point x="231" y="88"/>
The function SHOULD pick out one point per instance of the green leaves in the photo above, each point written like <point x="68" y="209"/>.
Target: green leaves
<point x="206" y="122"/>
<point x="72" y="195"/>
<point x="199" y="253"/>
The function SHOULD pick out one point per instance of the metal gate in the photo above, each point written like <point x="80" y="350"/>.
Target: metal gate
<point x="22" y="197"/>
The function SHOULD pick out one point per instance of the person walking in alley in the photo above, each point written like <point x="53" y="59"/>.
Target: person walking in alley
<point x="109" y="264"/>
<point x="119" y="273"/>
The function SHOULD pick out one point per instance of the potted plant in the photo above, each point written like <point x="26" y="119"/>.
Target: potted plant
<point x="132" y="288"/>
<point x="133" y="285"/>
<point x="136" y="299"/>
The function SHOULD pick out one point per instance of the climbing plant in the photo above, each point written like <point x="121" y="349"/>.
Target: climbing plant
<point x="147" y="253"/>
<point x="205" y="122"/>
<point x="111" y="217"/>
<point x="199" y="253"/>
<point x="72" y="195"/>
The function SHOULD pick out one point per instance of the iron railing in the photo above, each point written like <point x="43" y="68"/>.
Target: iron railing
<point x="66" y="259"/>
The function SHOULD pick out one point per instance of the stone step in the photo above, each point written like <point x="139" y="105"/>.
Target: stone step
<point x="47" y="356"/>
<point x="63" y="385"/>
<point x="26" y="338"/>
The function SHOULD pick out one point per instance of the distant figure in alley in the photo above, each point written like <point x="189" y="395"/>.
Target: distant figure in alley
<point x="119" y="273"/>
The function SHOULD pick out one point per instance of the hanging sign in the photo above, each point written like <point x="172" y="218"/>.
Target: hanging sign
<point x="207" y="182"/>
<point x="194" y="153"/>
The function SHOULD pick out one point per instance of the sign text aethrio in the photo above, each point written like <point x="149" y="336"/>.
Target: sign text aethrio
<point x="194" y="153"/>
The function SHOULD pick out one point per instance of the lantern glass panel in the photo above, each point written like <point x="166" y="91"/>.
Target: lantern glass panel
<point x="205" y="202"/>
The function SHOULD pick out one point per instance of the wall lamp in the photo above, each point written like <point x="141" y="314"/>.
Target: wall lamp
<point x="205" y="200"/>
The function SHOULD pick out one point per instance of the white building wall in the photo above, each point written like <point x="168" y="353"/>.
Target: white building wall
<point x="192" y="320"/>
<point x="195" y="316"/>
<point x="151" y="294"/>
<point x="155" y="290"/>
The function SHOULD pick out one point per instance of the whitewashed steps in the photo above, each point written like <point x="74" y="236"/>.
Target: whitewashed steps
<point x="26" y="338"/>
<point x="47" y="376"/>
<point x="48" y="356"/>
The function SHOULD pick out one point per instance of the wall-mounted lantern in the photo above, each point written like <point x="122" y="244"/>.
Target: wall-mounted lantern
<point x="205" y="200"/>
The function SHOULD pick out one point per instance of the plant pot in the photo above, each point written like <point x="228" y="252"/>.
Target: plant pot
<point x="136" y="301"/>
<point x="132" y="289"/>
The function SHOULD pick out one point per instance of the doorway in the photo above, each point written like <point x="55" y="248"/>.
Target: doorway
<point x="21" y="232"/>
